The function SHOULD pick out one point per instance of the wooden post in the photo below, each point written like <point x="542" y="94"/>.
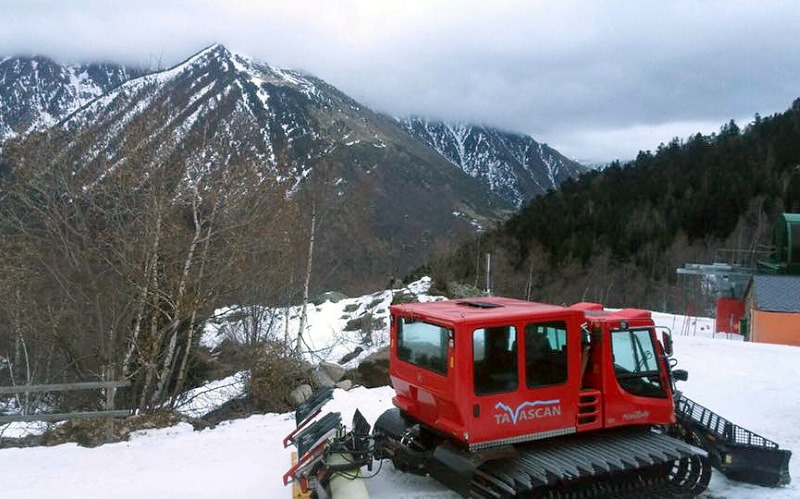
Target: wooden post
<point x="297" y="492"/>
<point x="111" y="391"/>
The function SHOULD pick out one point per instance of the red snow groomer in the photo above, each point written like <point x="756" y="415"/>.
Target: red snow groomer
<point x="497" y="397"/>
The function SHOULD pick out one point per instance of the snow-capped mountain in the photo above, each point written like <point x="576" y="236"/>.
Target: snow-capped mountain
<point x="383" y="188"/>
<point x="512" y="165"/>
<point x="36" y="92"/>
<point x="393" y="191"/>
<point x="218" y="103"/>
<point x="214" y="99"/>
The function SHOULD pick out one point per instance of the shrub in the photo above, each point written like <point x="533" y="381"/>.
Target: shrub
<point x="275" y="373"/>
<point x="460" y="290"/>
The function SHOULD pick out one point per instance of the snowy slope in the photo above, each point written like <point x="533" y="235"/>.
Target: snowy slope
<point x="36" y="92"/>
<point x="512" y="165"/>
<point x="215" y="94"/>
<point x="750" y="384"/>
<point x="326" y="335"/>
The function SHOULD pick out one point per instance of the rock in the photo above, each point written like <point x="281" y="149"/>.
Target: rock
<point x="345" y="384"/>
<point x="320" y="378"/>
<point x="403" y="296"/>
<point x="350" y="356"/>
<point x="353" y="325"/>
<point x="233" y="409"/>
<point x="300" y="394"/>
<point x="331" y="296"/>
<point x="374" y="370"/>
<point x="334" y="371"/>
<point x="378" y="324"/>
<point x="354" y="376"/>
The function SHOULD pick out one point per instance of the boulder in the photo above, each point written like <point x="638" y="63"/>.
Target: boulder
<point x="331" y="296"/>
<point x="334" y="371"/>
<point x="353" y="325"/>
<point x="345" y="384"/>
<point x="300" y="394"/>
<point x="374" y="370"/>
<point x="350" y="356"/>
<point x="320" y="378"/>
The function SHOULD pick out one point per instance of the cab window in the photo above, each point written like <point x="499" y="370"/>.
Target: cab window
<point x="494" y="352"/>
<point x="422" y="344"/>
<point x="545" y="354"/>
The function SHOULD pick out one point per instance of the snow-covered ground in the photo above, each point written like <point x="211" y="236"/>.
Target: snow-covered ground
<point x="750" y="384"/>
<point x="326" y="335"/>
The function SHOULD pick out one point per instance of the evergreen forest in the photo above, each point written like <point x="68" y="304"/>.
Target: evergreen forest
<point x="617" y="235"/>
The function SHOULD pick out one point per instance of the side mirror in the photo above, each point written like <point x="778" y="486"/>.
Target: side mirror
<point x="666" y="343"/>
<point x="680" y="375"/>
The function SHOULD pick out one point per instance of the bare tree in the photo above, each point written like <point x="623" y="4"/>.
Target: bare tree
<point x="307" y="282"/>
<point x="117" y="263"/>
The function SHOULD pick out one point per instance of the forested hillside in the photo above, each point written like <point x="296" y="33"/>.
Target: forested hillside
<point x="617" y="235"/>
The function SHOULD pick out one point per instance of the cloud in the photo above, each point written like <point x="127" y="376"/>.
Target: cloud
<point x="626" y="142"/>
<point x="581" y="74"/>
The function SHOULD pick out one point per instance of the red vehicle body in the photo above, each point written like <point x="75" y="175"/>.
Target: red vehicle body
<point x="498" y="397"/>
<point x="475" y="370"/>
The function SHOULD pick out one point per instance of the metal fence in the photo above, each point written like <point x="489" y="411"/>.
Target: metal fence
<point x="109" y="412"/>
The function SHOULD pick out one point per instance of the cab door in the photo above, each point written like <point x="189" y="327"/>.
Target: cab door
<point x="525" y="385"/>
<point x="638" y="392"/>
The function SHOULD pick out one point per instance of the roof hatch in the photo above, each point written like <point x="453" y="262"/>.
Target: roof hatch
<point x="479" y="304"/>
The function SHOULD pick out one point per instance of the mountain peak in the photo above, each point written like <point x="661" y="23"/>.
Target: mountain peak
<point x="215" y="53"/>
<point x="215" y="50"/>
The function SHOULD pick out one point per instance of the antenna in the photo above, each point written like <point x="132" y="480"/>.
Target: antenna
<point x="488" y="274"/>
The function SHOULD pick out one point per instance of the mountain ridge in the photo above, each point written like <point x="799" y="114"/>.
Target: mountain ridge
<point x="489" y="166"/>
<point x="38" y="92"/>
<point x="512" y="164"/>
<point x="401" y="196"/>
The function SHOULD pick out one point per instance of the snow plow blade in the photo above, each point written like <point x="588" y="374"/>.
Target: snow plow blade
<point x="307" y="411"/>
<point x="328" y="457"/>
<point x="738" y="453"/>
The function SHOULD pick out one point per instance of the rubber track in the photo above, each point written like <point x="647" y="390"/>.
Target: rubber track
<point x="616" y="464"/>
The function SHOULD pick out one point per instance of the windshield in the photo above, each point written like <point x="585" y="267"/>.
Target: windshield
<point x="635" y="362"/>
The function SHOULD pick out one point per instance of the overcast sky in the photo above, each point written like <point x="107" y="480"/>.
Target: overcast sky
<point x="597" y="80"/>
